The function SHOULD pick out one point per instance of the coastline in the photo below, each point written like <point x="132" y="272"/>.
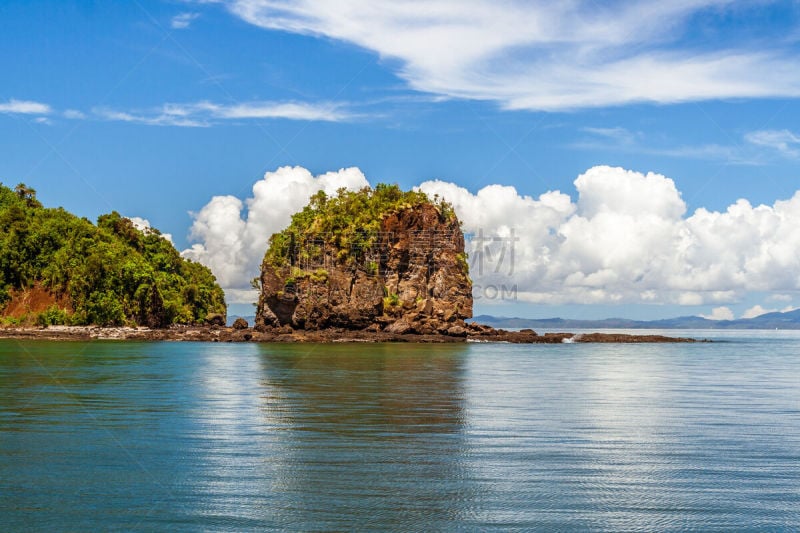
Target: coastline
<point x="333" y="335"/>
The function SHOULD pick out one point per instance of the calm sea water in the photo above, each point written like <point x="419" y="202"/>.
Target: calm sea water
<point x="221" y="437"/>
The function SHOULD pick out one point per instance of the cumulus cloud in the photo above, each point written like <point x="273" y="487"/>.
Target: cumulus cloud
<point x="25" y="107"/>
<point x="204" y="113"/>
<point x="720" y="313"/>
<point x="231" y="235"/>
<point x="143" y="225"/>
<point x="548" y="55"/>
<point x="756" y="310"/>
<point x="626" y="238"/>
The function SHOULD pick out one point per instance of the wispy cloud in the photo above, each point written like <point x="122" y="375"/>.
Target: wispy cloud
<point x="549" y="55"/>
<point x="74" y="114"/>
<point x="155" y="119"/>
<point x="617" y="134"/>
<point x="204" y="114"/>
<point x="785" y="142"/>
<point x="624" y="140"/>
<point x="25" y="107"/>
<point x="327" y="112"/>
<point x="183" y="20"/>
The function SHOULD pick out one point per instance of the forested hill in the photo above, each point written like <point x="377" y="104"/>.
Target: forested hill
<point x="56" y="268"/>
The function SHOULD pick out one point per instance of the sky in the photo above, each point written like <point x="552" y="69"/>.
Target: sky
<point x="607" y="159"/>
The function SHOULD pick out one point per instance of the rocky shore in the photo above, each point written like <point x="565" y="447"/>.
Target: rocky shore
<point x="473" y="333"/>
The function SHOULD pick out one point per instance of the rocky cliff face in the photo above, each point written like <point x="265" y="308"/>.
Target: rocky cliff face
<point x="410" y="276"/>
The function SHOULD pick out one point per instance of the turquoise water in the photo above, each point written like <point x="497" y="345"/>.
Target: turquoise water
<point x="221" y="437"/>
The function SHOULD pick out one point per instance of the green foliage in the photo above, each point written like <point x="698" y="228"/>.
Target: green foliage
<point x="111" y="273"/>
<point x="391" y="300"/>
<point x="320" y="275"/>
<point x="10" y="321"/>
<point x="53" y="316"/>
<point x="350" y="221"/>
<point x="462" y="262"/>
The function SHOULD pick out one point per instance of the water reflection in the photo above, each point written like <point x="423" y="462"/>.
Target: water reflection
<point x="333" y="437"/>
<point x="375" y="432"/>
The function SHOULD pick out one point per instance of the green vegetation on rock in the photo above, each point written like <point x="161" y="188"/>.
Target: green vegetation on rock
<point x="350" y="221"/>
<point x="106" y="274"/>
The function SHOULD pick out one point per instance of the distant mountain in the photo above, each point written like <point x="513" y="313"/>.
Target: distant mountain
<point x="788" y="320"/>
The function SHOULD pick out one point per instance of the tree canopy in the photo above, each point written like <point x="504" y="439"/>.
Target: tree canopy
<point x="349" y="220"/>
<point x="110" y="273"/>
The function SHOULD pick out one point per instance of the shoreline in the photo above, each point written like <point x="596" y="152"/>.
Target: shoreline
<point x="326" y="336"/>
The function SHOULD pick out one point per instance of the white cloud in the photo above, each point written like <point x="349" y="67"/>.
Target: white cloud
<point x="25" y="107"/>
<point x="142" y="224"/>
<point x="625" y="239"/>
<point x="758" y="310"/>
<point x="203" y="114"/>
<point x="183" y="20"/>
<point x="783" y="141"/>
<point x="160" y="118"/>
<point x="321" y="111"/>
<point x="232" y="241"/>
<point x="720" y="313"/>
<point x="546" y="55"/>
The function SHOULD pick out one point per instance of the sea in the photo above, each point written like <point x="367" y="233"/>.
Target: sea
<point x="171" y="436"/>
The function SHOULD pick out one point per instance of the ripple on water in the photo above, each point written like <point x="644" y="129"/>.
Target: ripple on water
<point x="190" y="437"/>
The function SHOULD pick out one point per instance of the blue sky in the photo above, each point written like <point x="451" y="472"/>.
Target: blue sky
<point x="153" y="108"/>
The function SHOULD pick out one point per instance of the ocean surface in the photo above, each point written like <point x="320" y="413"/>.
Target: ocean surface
<point x="221" y="437"/>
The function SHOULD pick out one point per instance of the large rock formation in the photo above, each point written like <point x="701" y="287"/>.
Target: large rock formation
<point x="403" y="273"/>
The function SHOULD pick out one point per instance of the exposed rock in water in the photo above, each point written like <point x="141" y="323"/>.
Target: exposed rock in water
<point x="404" y="273"/>
<point x="240" y="323"/>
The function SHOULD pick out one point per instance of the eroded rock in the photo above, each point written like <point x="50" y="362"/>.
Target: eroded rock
<point x="413" y="277"/>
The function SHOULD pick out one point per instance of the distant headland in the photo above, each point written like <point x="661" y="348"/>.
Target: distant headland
<point x="59" y="269"/>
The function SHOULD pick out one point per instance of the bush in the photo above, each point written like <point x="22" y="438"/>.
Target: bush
<point x="53" y="316"/>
